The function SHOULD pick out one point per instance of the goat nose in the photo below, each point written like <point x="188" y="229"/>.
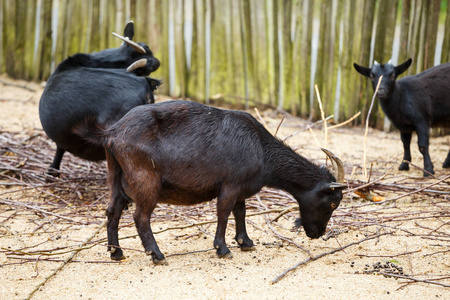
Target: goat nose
<point x="155" y="64"/>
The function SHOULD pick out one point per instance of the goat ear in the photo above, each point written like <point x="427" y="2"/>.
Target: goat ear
<point x="362" y="70"/>
<point x="129" y="30"/>
<point x="402" y="67"/>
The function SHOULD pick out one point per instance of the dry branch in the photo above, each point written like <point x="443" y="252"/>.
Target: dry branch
<point x="316" y="257"/>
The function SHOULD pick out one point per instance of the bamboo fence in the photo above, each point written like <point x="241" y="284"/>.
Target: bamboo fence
<point x="246" y="52"/>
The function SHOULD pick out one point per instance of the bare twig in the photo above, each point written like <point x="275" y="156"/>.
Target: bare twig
<point x="313" y="258"/>
<point x="367" y="127"/>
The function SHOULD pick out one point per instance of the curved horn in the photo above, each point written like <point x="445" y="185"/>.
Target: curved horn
<point x="137" y="64"/>
<point x="134" y="45"/>
<point x="375" y="62"/>
<point x="338" y="166"/>
<point x="389" y="62"/>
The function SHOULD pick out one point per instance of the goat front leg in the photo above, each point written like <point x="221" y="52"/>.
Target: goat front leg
<point x="447" y="161"/>
<point x="241" y="237"/>
<point x="423" y="136"/>
<point x="406" y="140"/>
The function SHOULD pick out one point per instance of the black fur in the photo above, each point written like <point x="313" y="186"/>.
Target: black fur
<point x="413" y="103"/>
<point x="94" y="85"/>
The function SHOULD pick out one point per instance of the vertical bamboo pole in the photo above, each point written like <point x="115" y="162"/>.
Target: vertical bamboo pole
<point x="286" y="49"/>
<point x="171" y="47"/>
<point x="244" y="55"/>
<point x="279" y="55"/>
<point x="445" y="56"/>
<point x="414" y="40"/>
<point x="119" y="17"/>
<point x="2" y="9"/>
<point x="383" y="45"/>
<point x="269" y="24"/>
<point x="207" y="12"/>
<point x="54" y="26"/>
<point x="431" y="33"/>
<point x="363" y="88"/>
<point x="404" y="30"/>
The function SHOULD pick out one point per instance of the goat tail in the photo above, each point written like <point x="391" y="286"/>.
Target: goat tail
<point x="90" y="131"/>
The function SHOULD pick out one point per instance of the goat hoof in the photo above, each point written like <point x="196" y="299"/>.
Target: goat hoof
<point x="114" y="256"/>
<point x="248" y="248"/>
<point x="160" y="262"/>
<point x="425" y="174"/>
<point x="226" y="255"/>
<point x="404" y="167"/>
<point x="446" y="164"/>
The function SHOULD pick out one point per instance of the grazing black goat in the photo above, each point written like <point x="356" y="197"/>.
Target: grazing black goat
<point x="413" y="103"/>
<point x="95" y="85"/>
<point x="184" y="153"/>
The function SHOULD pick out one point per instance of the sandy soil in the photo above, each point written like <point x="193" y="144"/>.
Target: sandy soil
<point x="419" y="245"/>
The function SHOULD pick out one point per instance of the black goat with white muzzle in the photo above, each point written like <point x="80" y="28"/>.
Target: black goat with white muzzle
<point x="104" y="85"/>
<point x="413" y="103"/>
<point x="184" y="153"/>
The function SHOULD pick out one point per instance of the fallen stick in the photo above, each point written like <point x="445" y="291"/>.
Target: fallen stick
<point x="66" y="261"/>
<point x="414" y="279"/>
<point x="307" y="128"/>
<point x="364" y="185"/>
<point x="313" y="258"/>
<point x="393" y="255"/>
<point x="345" y="122"/>
<point x="418" y="190"/>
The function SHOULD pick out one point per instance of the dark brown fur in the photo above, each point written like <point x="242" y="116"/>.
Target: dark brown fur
<point x="185" y="153"/>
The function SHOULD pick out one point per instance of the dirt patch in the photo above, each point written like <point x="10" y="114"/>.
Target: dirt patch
<point x="44" y="223"/>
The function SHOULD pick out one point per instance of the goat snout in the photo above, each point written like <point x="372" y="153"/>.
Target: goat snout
<point x="381" y="91"/>
<point x="154" y="64"/>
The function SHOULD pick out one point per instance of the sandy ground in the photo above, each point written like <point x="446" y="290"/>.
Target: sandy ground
<point x="194" y="271"/>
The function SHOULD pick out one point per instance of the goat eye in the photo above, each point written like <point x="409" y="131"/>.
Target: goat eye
<point x="333" y="205"/>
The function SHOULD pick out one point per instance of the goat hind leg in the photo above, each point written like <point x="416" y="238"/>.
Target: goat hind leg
<point x="241" y="237"/>
<point x="114" y="212"/>
<point x="53" y="169"/>
<point x="142" y="220"/>
<point x="447" y="161"/>
<point x="423" y="134"/>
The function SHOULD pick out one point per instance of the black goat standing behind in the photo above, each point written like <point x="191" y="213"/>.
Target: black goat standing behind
<point x="104" y="85"/>
<point x="184" y="153"/>
<point x="413" y="103"/>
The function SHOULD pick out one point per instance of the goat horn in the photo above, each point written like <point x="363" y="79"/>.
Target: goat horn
<point x="134" y="45"/>
<point x="375" y="62"/>
<point x="389" y="62"/>
<point x="338" y="166"/>
<point x="137" y="64"/>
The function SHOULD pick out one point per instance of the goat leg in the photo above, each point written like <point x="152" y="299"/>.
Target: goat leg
<point x="423" y="134"/>
<point x="114" y="212"/>
<point x="447" y="161"/>
<point x="142" y="220"/>
<point x="225" y="205"/>
<point x="55" y="165"/>
<point x="241" y="237"/>
<point x="406" y="140"/>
